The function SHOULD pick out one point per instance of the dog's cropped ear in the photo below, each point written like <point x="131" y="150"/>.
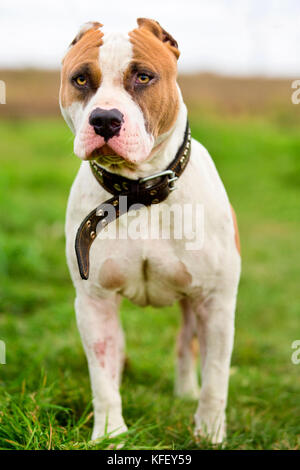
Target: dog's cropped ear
<point x="155" y="28"/>
<point x="84" y="28"/>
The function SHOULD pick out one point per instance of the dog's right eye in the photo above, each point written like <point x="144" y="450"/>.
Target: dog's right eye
<point x="80" y="80"/>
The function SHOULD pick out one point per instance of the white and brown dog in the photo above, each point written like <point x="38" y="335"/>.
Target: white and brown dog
<point x="120" y="97"/>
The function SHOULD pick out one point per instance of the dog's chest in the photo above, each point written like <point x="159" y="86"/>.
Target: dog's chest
<point x="150" y="269"/>
<point x="144" y="272"/>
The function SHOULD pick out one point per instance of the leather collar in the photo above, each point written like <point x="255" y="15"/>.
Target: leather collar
<point x="145" y="191"/>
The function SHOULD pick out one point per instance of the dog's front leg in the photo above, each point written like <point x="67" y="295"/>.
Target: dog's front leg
<point x="186" y="382"/>
<point x="215" y="319"/>
<point x="102" y="339"/>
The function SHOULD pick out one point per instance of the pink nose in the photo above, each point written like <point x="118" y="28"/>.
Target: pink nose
<point x="106" y="122"/>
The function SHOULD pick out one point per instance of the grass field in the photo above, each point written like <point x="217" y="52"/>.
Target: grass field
<point x="45" y="400"/>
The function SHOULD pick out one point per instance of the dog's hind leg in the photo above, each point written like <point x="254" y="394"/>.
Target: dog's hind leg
<point x="186" y="381"/>
<point x="102" y="339"/>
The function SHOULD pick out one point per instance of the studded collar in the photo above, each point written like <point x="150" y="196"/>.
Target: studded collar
<point x="145" y="191"/>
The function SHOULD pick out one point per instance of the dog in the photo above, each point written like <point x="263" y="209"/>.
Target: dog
<point x="120" y="97"/>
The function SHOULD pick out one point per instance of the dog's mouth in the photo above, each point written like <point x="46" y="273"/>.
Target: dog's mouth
<point x="107" y="157"/>
<point x="106" y="154"/>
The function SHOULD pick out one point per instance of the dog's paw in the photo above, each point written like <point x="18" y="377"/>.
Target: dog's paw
<point x="99" y="432"/>
<point x="210" y="425"/>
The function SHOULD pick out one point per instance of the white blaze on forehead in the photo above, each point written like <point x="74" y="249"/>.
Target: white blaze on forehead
<point x="115" y="54"/>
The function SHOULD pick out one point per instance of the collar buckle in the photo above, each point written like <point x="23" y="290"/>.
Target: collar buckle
<point x="171" y="178"/>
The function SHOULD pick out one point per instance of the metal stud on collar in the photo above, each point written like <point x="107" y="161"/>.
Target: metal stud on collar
<point x="99" y="212"/>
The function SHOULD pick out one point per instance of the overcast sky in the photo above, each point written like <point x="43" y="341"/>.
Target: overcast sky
<point x="244" y="37"/>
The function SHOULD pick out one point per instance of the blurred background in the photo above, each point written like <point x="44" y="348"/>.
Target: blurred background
<point x="238" y="61"/>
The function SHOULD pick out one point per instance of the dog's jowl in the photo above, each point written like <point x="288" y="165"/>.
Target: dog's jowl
<point x="148" y="218"/>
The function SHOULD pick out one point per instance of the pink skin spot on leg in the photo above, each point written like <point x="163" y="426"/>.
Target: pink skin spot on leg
<point x="100" y="351"/>
<point x="106" y="353"/>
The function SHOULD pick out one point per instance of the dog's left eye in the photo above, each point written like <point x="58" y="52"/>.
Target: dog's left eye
<point x="143" y="78"/>
<point x="80" y="80"/>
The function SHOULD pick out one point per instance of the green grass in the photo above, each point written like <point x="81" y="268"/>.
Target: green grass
<point x="45" y="399"/>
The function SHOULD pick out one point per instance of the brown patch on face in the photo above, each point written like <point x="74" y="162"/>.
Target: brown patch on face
<point x="81" y="59"/>
<point x="236" y="231"/>
<point x="154" y="53"/>
<point x="86" y="27"/>
<point x="161" y="33"/>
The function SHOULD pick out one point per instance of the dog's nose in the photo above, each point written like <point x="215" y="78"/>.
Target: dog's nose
<point x="106" y="122"/>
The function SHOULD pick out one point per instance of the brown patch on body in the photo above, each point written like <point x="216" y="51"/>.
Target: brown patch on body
<point x="177" y="273"/>
<point x="110" y="276"/>
<point x="181" y="277"/>
<point x="154" y="50"/>
<point x="82" y="57"/>
<point x="236" y="231"/>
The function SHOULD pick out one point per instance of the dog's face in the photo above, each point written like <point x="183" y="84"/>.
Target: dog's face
<point x="118" y="91"/>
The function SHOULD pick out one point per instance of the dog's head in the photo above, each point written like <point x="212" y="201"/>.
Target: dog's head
<point x="118" y="91"/>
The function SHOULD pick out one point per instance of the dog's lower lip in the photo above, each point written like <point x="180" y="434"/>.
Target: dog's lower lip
<point x="105" y="155"/>
<point x="104" y="150"/>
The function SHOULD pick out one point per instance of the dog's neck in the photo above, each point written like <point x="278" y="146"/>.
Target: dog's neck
<point x="163" y="152"/>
